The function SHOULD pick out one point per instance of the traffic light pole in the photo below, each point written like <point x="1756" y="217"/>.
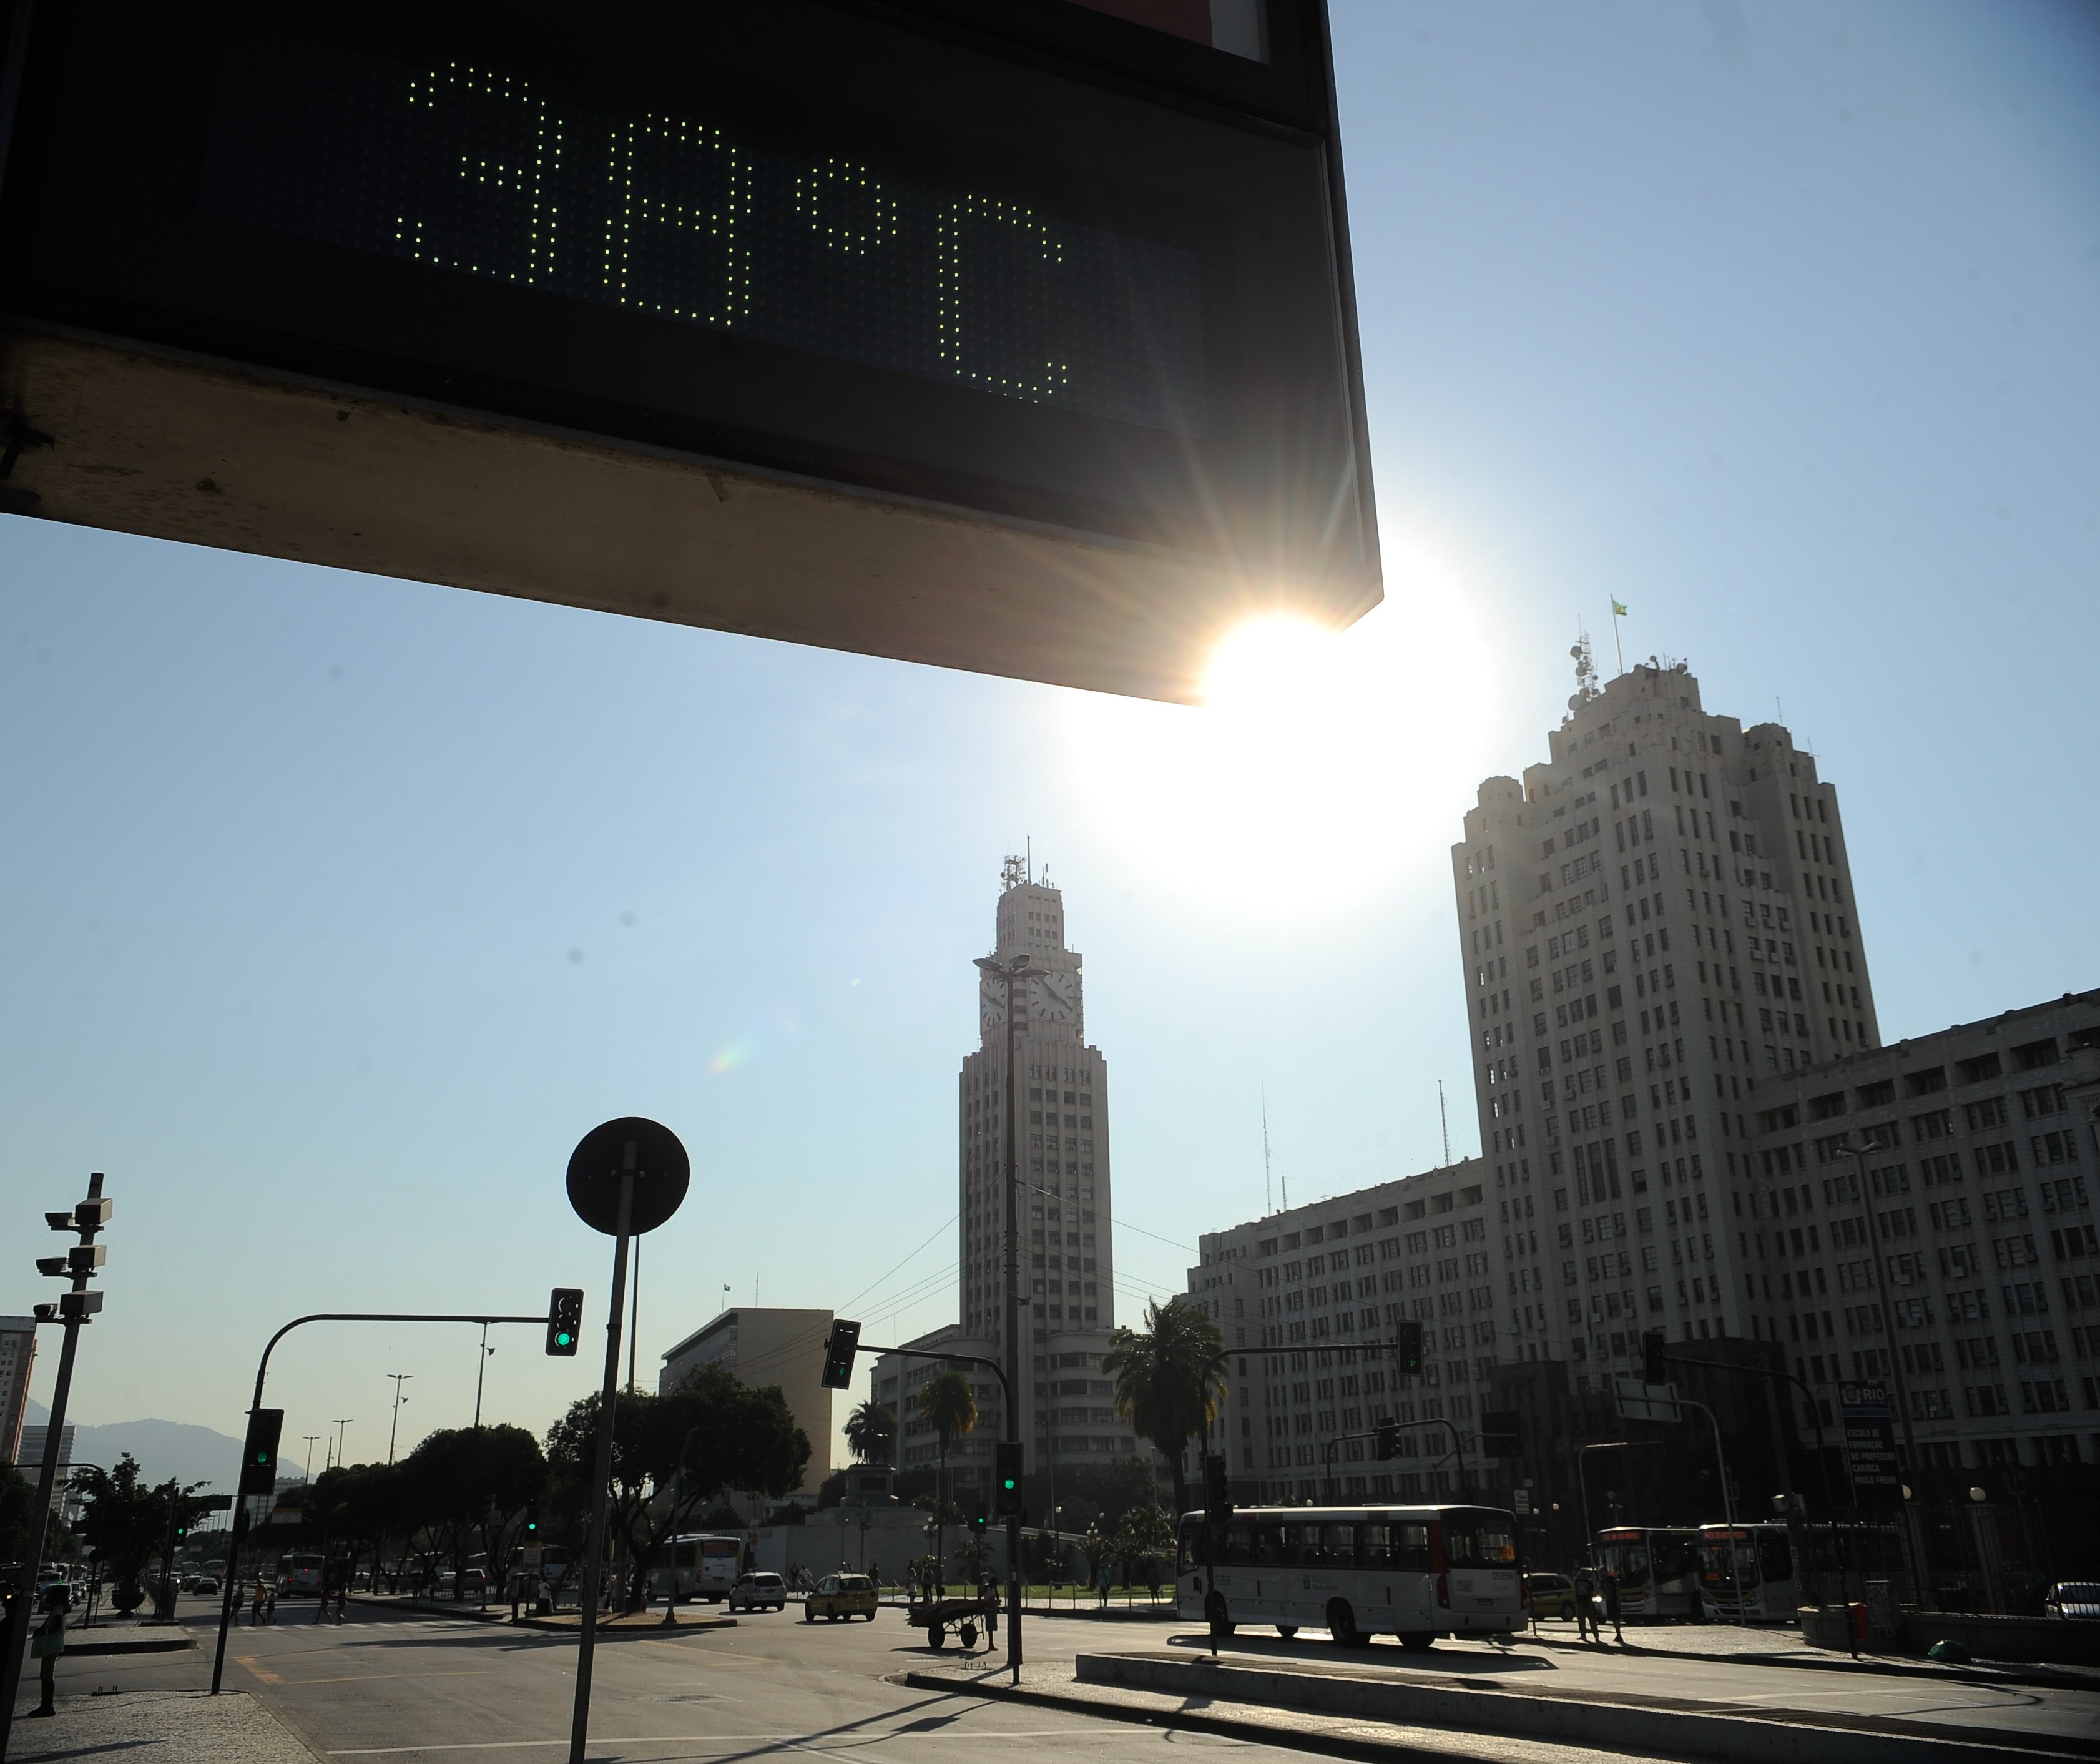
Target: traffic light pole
<point x="595" y="1555"/>
<point x="227" y="1591"/>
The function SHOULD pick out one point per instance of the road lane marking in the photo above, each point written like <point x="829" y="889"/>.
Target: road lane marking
<point x="263" y="1673"/>
<point x="702" y="1739"/>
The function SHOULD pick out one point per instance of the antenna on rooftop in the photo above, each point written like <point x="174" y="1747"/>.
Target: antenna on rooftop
<point x="1444" y="1119"/>
<point x="1268" y="1184"/>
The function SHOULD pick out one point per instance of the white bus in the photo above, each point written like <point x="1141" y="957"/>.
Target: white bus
<point x="695" y="1566"/>
<point x="1658" y="1569"/>
<point x="1746" y="1573"/>
<point x="1416" y="1572"/>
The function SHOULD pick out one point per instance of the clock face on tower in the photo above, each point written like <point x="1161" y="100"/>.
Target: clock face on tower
<point x="991" y="1007"/>
<point x="1060" y="996"/>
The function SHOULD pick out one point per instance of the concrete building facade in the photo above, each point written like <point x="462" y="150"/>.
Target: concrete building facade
<point x="18" y="1361"/>
<point x="1653" y="924"/>
<point x="1923" y="1215"/>
<point x="1067" y="1196"/>
<point x="764" y="1346"/>
<point x="1306" y="1299"/>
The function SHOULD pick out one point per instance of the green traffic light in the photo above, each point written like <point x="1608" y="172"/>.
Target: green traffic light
<point x="562" y="1338"/>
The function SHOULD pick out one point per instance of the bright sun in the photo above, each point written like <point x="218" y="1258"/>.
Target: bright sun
<point x="1322" y="763"/>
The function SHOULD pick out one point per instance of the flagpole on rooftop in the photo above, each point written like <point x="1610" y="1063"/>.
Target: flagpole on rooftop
<point x="1618" y="612"/>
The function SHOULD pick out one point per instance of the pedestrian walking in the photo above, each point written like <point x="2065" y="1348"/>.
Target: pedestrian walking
<point x="988" y="1593"/>
<point x="342" y="1597"/>
<point x="1585" y="1591"/>
<point x="255" y="1610"/>
<point x="874" y="1574"/>
<point x="48" y="1644"/>
<point x="1611" y="1592"/>
<point x="270" y="1603"/>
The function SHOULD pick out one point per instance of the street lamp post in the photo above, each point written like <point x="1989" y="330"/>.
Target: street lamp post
<point x="399" y="1379"/>
<point x="1858" y="1155"/>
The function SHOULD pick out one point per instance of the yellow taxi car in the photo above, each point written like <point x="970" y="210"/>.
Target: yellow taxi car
<point x="840" y="1596"/>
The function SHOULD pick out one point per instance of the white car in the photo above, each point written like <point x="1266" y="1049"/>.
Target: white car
<point x="758" y="1592"/>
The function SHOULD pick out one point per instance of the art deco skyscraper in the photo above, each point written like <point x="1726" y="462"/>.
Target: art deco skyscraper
<point x="1653" y="921"/>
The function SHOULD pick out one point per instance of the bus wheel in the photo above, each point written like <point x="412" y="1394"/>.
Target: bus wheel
<point x="1416" y="1643"/>
<point x="1342" y="1625"/>
<point x="1214" y="1609"/>
<point x="1288" y="1631"/>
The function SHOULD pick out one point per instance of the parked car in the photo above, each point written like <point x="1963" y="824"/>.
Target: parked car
<point x="758" y="1592"/>
<point x="2077" y="1600"/>
<point x="1550" y="1595"/>
<point x="841" y="1596"/>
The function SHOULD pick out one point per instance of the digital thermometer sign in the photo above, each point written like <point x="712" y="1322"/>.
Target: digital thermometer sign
<point x="1016" y="338"/>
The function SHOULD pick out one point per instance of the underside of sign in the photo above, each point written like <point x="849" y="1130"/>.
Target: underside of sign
<point x="208" y="453"/>
<point x="1029" y="354"/>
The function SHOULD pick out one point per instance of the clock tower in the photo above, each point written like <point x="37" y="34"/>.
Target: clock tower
<point x="1061" y="1146"/>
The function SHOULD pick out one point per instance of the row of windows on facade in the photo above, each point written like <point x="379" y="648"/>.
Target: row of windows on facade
<point x="1367" y="1321"/>
<point x="1926" y="1080"/>
<point x="1419" y="1207"/>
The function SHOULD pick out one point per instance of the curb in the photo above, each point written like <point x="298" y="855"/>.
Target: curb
<point x="1883" y="1665"/>
<point x="157" y="1645"/>
<point x="1649" y="1726"/>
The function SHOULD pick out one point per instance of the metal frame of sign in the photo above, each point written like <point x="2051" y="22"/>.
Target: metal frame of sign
<point x="1027" y="347"/>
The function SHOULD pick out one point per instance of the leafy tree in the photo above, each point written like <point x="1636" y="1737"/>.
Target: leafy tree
<point x="1143" y="1535"/>
<point x="949" y="1406"/>
<point x="360" y="1506"/>
<point x="462" y="1482"/>
<point x="673" y="1454"/>
<point x="125" y="1523"/>
<point x="18" y="1500"/>
<point x="1170" y="1379"/>
<point x="870" y="1431"/>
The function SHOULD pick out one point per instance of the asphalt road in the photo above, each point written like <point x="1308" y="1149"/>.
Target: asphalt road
<point x="390" y="1686"/>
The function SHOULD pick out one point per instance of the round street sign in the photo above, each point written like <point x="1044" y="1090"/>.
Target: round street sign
<point x="647" y="1148"/>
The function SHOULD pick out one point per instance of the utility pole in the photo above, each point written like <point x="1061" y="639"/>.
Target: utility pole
<point x="72" y="1310"/>
<point x="312" y="1440"/>
<point x="399" y="1379"/>
<point x="339" y="1423"/>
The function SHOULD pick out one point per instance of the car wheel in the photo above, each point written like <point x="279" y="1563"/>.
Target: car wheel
<point x="808" y="1615"/>
<point x="1567" y="1613"/>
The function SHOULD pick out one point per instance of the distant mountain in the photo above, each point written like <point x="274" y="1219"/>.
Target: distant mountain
<point x="163" y="1448"/>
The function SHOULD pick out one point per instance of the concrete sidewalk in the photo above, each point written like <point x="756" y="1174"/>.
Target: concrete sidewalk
<point x="1729" y="1644"/>
<point x="170" y="1726"/>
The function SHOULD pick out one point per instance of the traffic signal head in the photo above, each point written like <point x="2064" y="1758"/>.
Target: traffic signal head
<point x="839" y="1348"/>
<point x="1385" y="1441"/>
<point x="258" y="1451"/>
<point x="1407" y="1346"/>
<point x="1654" y="1370"/>
<point x="978" y="1517"/>
<point x="565" y="1320"/>
<point x="1217" y="1492"/>
<point x="1006" y="1478"/>
<point x="531" y="1523"/>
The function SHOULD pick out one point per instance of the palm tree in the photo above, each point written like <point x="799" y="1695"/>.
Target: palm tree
<point x="1170" y="1379"/>
<point x="870" y="1431"/>
<point x="948" y="1405"/>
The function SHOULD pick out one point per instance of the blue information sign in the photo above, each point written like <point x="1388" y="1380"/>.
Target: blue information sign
<point x="1870" y="1448"/>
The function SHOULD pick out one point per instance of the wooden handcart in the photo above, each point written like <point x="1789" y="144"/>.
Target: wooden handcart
<point x="965" y="1617"/>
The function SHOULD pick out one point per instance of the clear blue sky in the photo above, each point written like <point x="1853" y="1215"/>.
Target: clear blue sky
<point x="336" y="908"/>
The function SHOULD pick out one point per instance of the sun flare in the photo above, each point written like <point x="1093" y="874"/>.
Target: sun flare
<point x="1320" y="764"/>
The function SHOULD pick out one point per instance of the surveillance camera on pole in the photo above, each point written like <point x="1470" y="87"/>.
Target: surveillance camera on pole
<point x="72" y="1312"/>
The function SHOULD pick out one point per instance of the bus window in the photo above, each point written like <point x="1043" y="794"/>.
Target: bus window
<point x="1291" y="1544"/>
<point x="1375" y="1548"/>
<point x="682" y="1555"/>
<point x="1479" y="1537"/>
<point x="1775" y="1560"/>
<point x="1268" y="1546"/>
<point x="1338" y="1545"/>
<point x="1239" y="1547"/>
